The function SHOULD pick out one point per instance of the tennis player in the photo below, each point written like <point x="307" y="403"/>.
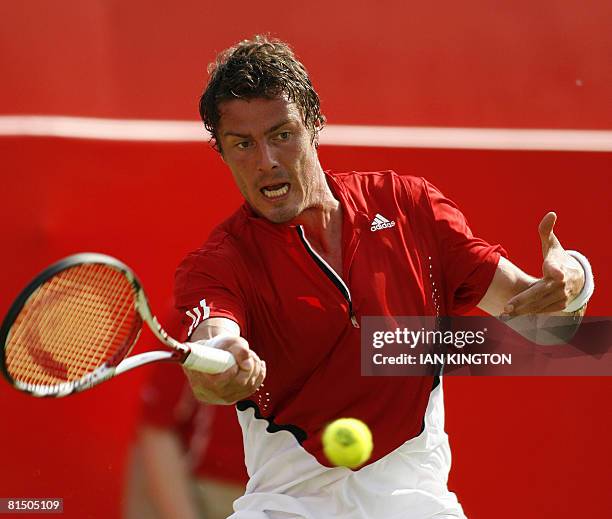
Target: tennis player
<point x="284" y="282"/>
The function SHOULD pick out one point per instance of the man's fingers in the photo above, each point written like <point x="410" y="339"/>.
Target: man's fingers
<point x="537" y="297"/>
<point x="214" y="382"/>
<point x="557" y="306"/>
<point x="243" y="377"/>
<point x="537" y="290"/>
<point x="547" y="223"/>
<point x="249" y="370"/>
<point x="246" y="384"/>
<point x="262" y="375"/>
<point x="239" y="348"/>
<point x="547" y="236"/>
<point x="211" y="387"/>
<point x="538" y="306"/>
<point x="545" y="229"/>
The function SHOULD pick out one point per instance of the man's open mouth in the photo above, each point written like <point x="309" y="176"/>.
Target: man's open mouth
<point x="275" y="191"/>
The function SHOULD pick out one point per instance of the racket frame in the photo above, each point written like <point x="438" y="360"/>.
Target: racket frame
<point x="118" y="363"/>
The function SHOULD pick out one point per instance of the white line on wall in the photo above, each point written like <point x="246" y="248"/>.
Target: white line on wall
<point x="332" y="135"/>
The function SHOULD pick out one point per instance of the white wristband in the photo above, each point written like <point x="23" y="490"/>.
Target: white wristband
<point x="589" y="283"/>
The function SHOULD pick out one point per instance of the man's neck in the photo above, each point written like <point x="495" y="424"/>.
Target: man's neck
<point x="322" y="222"/>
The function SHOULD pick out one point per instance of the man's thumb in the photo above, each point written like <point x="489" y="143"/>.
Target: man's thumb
<point x="547" y="236"/>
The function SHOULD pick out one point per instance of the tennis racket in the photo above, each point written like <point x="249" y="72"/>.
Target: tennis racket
<point x="73" y="326"/>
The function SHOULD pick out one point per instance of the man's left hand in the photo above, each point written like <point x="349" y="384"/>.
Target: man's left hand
<point x="562" y="281"/>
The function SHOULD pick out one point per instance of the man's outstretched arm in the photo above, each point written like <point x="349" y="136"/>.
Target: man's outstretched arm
<point x="513" y="293"/>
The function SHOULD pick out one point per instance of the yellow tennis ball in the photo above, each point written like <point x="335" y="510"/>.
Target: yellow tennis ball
<point x="347" y="442"/>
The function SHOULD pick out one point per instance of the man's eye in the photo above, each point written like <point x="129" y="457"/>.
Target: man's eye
<point x="283" y="136"/>
<point x="243" y="145"/>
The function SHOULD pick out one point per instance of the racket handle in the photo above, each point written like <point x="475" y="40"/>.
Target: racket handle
<point x="208" y="360"/>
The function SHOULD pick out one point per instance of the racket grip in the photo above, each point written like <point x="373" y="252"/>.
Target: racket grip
<point x="208" y="360"/>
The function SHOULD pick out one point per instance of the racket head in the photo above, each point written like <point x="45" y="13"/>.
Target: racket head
<point x="71" y="325"/>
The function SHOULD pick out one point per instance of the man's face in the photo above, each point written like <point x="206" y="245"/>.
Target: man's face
<point x="271" y="155"/>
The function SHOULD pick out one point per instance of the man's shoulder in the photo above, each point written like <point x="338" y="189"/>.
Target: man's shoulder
<point x="221" y="244"/>
<point x="376" y="178"/>
<point x="368" y="185"/>
<point x="224" y="236"/>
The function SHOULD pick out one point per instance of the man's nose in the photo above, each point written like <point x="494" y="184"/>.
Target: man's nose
<point x="267" y="159"/>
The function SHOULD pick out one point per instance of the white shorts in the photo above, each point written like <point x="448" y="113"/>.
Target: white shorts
<point x="286" y="482"/>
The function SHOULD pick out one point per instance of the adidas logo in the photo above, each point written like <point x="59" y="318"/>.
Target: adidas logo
<point x="380" y="222"/>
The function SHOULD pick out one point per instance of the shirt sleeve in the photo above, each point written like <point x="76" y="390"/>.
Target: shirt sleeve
<point x="468" y="262"/>
<point x="206" y="285"/>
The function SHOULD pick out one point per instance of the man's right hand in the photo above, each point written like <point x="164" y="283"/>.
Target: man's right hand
<point x="235" y="383"/>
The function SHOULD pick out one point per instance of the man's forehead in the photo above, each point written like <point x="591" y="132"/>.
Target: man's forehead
<point x="257" y="112"/>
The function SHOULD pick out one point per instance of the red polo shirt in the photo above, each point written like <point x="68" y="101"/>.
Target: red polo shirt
<point x="406" y="250"/>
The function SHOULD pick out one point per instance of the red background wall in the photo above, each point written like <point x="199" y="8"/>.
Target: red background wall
<point x="523" y="447"/>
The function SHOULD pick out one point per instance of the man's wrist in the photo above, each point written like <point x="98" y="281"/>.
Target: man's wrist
<point x="583" y="297"/>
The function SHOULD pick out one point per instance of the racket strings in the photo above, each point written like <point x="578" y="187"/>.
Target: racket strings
<point x="100" y="336"/>
<point x="50" y="324"/>
<point x="76" y="321"/>
<point x="66" y="286"/>
<point x="105" y="334"/>
<point x="68" y="318"/>
<point x="90" y="298"/>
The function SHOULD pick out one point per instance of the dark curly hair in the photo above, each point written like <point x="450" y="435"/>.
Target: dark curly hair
<point x="260" y="67"/>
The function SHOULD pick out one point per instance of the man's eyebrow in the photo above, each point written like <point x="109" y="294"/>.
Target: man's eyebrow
<point x="270" y="130"/>
<point x="233" y="134"/>
<point x="279" y="125"/>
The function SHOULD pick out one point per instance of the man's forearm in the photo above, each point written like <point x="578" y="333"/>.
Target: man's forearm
<point x="215" y="326"/>
<point x="507" y="282"/>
